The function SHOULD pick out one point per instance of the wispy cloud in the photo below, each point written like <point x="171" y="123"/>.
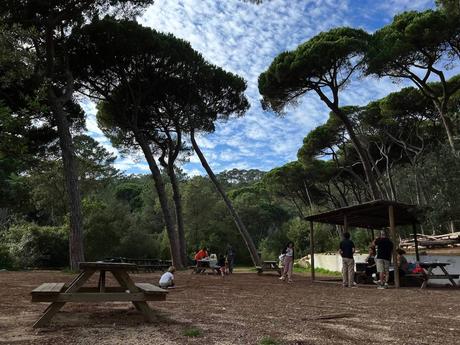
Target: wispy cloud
<point x="244" y="38"/>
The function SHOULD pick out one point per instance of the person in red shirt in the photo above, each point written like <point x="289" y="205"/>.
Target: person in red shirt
<point x="201" y="254"/>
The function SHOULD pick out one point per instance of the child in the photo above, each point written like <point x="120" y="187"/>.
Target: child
<point x="167" y="279"/>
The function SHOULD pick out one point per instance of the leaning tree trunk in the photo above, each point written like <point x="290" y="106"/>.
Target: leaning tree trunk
<point x="367" y="166"/>
<point x="239" y="223"/>
<point x="179" y="214"/>
<point x="76" y="253"/>
<point x="441" y="107"/>
<point x="365" y="160"/>
<point x="160" y="187"/>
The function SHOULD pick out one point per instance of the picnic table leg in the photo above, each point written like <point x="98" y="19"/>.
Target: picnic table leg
<point x="54" y="307"/>
<point x="101" y="284"/>
<point x="125" y="281"/>
<point x="454" y="284"/>
<point x="426" y="277"/>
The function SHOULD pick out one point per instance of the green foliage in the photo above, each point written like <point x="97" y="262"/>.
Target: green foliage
<point x="326" y="272"/>
<point x="31" y="245"/>
<point x="313" y="65"/>
<point x="6" y="259"/>
<point x="413" y="38"/>
<point x="192" y="332"/>
<point x="130" y="192"/>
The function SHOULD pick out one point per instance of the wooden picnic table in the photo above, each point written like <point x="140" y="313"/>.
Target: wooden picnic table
<point x="428" y="267"/>
<point x="269" y="266"/>
<point x="204" y="264"/>
<point x="127" y="291"/>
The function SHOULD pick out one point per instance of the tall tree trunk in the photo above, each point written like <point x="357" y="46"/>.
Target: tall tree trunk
<point x="179" y="214"/>
<point x="160" y="187"/>
<point x="76" y="252"/>
<point x="239" y="224"/>
<point x="69" y="161"/>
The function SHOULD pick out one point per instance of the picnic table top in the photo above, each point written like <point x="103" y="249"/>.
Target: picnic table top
<point x="426" y="264"/>
<point x="107" y="266"/>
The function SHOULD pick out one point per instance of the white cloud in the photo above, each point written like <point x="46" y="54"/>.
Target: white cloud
<point x="244" y="38"/>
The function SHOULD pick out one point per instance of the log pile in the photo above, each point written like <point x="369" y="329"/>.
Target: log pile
<point x="438" y="241"/>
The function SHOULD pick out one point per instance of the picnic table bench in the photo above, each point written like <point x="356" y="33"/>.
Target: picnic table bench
<point x="127" y="291"/>
<point x="428" y="274"/>
<point x="269" y="266"/>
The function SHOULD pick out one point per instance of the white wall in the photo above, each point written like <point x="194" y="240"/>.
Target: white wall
<point x="333" y="262"/>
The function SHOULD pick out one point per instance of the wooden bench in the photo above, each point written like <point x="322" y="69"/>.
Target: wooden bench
<point x="424" y="278"/>
<point x="150" y="289"/>
<point x="444" y="276"/>
<point x="47" y="291"/>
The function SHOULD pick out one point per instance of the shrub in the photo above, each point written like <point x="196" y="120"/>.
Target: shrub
<point x="31" y="245"/>
<point x="6" y="261"/>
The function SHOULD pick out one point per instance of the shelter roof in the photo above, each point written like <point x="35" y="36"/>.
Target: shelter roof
<point x="371" y="215"/>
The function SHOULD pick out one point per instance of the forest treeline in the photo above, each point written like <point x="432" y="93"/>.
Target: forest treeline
<point x="62" y="200"/>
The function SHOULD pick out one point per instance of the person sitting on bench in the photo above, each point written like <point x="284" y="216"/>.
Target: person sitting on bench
<point x="371" y="267"/>
<point x="200" y="255"/>
<point x="403" y="265"/>
<point x="167" y="279"/>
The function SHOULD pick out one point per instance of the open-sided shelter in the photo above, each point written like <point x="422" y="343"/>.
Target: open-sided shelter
<point x="377" y="214"/>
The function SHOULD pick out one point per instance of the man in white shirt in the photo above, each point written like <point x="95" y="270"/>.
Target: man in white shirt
<point x="167" y="279"/>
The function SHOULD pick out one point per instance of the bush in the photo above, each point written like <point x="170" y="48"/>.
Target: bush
<point x="31" y="245"/>
<point x="139" y="244"/>
<point x="6" y="261"/>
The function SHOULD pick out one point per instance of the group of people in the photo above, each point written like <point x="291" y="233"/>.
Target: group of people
<point x="378" y="260"/>
<point x="224" y="263"/>
<point x="224" y="266"/>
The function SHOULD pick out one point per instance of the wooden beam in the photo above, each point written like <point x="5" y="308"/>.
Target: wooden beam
<point x="312" y="252"/>
<point x="100" y="297"/>
<point x="391" y="215"/>
<point x="414" y="230"/>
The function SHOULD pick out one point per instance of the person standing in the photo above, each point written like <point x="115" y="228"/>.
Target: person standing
<point x="347" y="249"/>
<point x="383" y="259"/>
<point x="230" y="258"/>
<point x="288" y="252"/>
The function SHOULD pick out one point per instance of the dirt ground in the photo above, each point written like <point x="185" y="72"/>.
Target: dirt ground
<point x="241" y="309"/>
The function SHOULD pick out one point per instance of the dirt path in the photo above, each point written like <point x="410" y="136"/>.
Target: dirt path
<point x="240" y="309"/>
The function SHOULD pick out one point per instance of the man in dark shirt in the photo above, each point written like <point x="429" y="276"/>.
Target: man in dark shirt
<point x="347" y="248"/>
<point x="383" y="259"/>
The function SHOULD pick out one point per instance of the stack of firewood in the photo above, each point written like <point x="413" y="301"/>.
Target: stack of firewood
<point x="438" y="241"/>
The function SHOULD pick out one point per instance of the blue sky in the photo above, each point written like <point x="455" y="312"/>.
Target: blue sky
<point x="244" y="38"/>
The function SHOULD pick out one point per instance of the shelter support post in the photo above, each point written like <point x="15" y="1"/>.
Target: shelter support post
<point x="414" y="229"/>
<point x="391" y="215"/>
<point x="312" y="252"/>
<point x="345" y="223"/>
